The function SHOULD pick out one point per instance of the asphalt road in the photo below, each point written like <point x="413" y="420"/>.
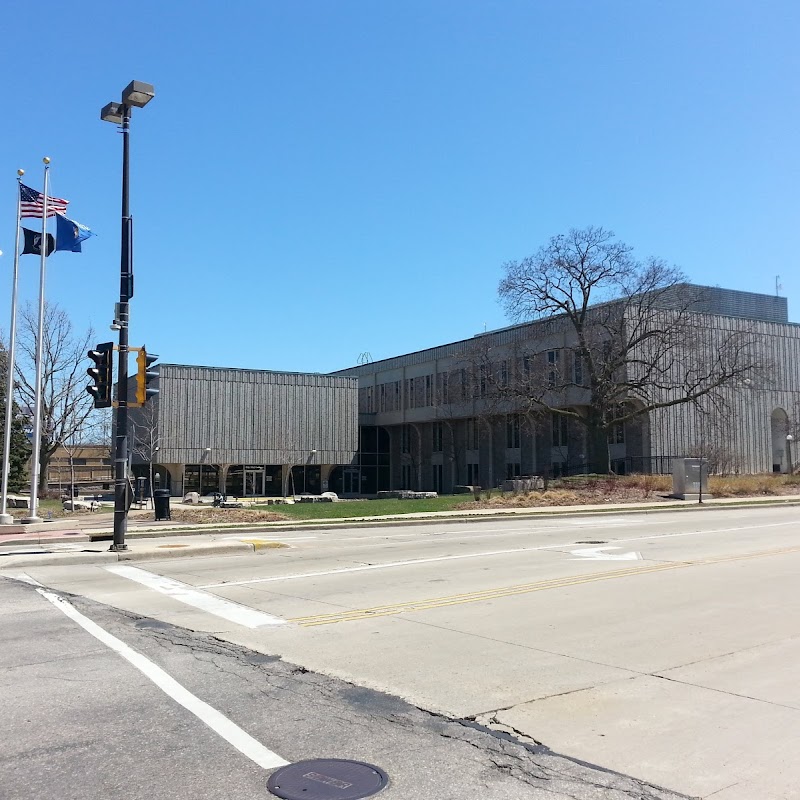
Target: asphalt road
<point x="662" y="646"/>
<point x="186" y="715"/>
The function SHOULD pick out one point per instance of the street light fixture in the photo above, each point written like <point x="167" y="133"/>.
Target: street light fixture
<point x="112" y="112"/>
<point x="136" y="94"/>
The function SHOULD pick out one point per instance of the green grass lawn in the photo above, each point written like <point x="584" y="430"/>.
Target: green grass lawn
<point x="367" y="508"/>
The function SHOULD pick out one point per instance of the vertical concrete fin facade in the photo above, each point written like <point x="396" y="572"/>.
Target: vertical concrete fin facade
<point x="259" y="417"/>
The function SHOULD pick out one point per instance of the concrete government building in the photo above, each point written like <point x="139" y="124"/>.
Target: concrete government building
<point x="424" y="421"/>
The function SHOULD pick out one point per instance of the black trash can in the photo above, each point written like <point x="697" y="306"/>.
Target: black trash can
<point x="161" y="503"/>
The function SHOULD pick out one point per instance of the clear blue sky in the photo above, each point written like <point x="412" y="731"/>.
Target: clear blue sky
<point x="319" y="179"/>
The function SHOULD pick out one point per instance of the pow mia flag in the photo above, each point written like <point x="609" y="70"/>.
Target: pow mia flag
<point x="33" y="243"/>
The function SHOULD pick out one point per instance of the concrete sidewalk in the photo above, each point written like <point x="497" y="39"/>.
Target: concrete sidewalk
<point x="71" y="552"/>
<point x="85" y="539"/>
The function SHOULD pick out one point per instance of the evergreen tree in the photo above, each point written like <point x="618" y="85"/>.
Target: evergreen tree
<point x="20" y="451"/>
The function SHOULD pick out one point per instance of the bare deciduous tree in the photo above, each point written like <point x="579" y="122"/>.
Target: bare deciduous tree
<point x="634" y="340"/>
<point x="146" y="438"/>
<point x="65" y="404"/>
<point x="475" y="387"/>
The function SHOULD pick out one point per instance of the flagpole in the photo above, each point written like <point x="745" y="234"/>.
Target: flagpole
<point x="37" y="414"/>
<point x="5" y="517"/>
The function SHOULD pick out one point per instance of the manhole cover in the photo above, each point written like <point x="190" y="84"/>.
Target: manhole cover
<point x="592" y="541"/>
<point x="327" y="779"/>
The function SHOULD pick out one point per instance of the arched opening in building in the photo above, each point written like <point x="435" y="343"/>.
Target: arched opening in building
<point x="779" y="427"/>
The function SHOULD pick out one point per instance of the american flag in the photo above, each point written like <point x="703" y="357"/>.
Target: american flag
<point x="31" y="202"/>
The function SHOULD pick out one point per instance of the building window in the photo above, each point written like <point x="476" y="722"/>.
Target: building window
<point x="407" y="476"/>
<point x="472" y="475"/>
<point x="472" y="435"/>
<point x="513" y="470"/>
<point x="397" y="392"/>
<point x="410" y="399"/>
<point x="370" y="399"/>
<point x="527" y="366"/>
<point x="464" y="383"/>
<point x="382" y="397"/>
<point x="204" y="478"/>
<point x="577" y="369"/>
<point x="479" y="382"/>
<point x="405" y="439"/>
<point x="438" y="437"/>
<point x="553" y="357"/>
<point x="429" y="390"/>
<point x="560" y="427"/>
<point x="512" y="431"/>
<point x="616" y="434"/>
<point x="503" y="373"/>
<point x="443" y="388"/>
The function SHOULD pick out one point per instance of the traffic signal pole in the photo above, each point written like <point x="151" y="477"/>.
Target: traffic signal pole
<point x="121" y="442"/>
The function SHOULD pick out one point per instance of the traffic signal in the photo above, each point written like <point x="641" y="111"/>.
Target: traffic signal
<point x="102" y="374"/>
<point x="144" y="375"/>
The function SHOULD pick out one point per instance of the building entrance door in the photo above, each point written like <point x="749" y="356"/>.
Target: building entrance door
<point x="254" y="483"/>
<point x="351" y="482"/>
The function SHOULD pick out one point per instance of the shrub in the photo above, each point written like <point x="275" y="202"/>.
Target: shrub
<point x="744" y="485"/>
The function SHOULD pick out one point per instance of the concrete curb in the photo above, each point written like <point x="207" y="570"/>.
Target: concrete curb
<point x="182" y="551"/>
<point x="45" y="558"/>
<point x="439" y="518"/>
<point x="49" y="558"/>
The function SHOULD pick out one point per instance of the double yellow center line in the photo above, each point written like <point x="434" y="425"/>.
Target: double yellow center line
<point x="525" y="588"/>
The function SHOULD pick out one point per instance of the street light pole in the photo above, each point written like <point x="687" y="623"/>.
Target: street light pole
<point x="789" y="440"/>
<point x="135" y="94"/>
<point x="121" y="436"/>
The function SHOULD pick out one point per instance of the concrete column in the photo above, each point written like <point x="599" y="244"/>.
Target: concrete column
<point x="418" y="430"/>
<point x="286" y="472"/>
<point x="324" y="476"/>
<point x="223" y="477"/>
<point x="486" y="451"/>
<point x="528" y="462"/>
<point x="395" y="457"/>
<point x="450" y="455"/>
<point x="544" y="452"/>
<point x="176" y="476"/>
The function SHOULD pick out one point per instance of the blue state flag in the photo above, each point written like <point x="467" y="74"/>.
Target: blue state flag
<point x="70" y="234"/>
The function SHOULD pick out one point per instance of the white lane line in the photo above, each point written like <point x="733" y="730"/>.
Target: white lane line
<point x="218" y="606"/>
<point x="364" y="568"/>
<point x="567" y="546"/>
<point x="218" y="723"/>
